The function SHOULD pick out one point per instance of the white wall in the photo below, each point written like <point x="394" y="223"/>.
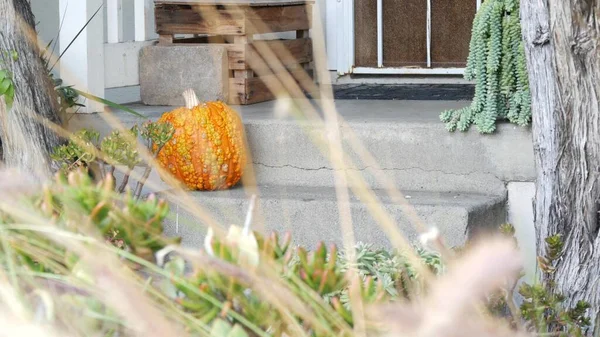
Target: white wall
<point x="128" y="21"/>
<point x="46" y="18"/>
<point x="47" y="23"/>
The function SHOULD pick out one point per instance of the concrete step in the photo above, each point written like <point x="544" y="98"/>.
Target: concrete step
<point x="406" y="138"/>
<point x="311" y="214"/>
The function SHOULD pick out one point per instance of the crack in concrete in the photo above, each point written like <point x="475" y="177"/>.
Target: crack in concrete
<point x="325" y="168"/>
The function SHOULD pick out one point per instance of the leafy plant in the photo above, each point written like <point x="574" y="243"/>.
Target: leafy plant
<point x="543" y="305"/>
<point x="543" y="309"/>
<point x="7" y="86"/>
<point x="99" y="158"/>
<point x="80" y="205"/>
<point x="496" y="63"/>
<point x="389" y="268"/>
<point x="241" y="284"/>
<point x="67" y="96"/>
<point x="222" y="328"/>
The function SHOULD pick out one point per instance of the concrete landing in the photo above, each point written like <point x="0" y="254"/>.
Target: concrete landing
<point x="410" y="111"/>
<point x="311" y="214"/>
<point x="457" y="181"/>
<point x="406" y="138"/>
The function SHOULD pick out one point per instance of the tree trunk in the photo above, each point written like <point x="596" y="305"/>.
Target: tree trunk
<point x="26" y="140"/>
<point x="561" y="44"/>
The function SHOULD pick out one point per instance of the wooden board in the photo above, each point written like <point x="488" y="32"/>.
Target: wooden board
<point x="279" y="19"/>
<point x="180" y="19"/>
<point x="289" y="52"/>
<point x="217" y="20"/>
<point x="243" y="91"/>
<point x="250" y="3"/>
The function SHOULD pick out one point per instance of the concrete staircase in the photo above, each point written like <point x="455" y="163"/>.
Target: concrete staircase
<point x="455" y="181"/>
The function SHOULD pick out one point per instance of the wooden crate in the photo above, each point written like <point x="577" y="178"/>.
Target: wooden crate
<point x="233" y="24"/>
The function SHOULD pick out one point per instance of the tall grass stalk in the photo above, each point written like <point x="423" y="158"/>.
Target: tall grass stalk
<point x="139" y="307"/>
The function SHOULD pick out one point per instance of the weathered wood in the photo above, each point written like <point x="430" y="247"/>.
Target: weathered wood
<point x="278" y="19"/>
<point x="196" y="19"/>
<point x="304" y="34"/>
<point x="245" y="39"/>
<point x="243" y="73"/>
<point x="254" y="90"/>
<point x="236" y="22"/>
<point x="233" y="20"/>
<point x="250" y="3"/>
<point x="244" y="42"/>
<point x="289" y="52"/>
<point x="563" y="59"/>
<point x="237" y="56"/>
<point x="244" y="91"/>
<point x="26" y="139"/>
<point x="165" y="39"/>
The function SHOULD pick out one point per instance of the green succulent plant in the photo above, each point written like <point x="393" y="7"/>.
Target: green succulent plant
<point x="101" y="157"/>
<point x="497" y="64"/>
<point x="221" y="291"/>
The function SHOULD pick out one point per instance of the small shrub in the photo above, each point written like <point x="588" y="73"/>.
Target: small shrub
<point x="240" y="284"/>
<point x="85" y="151"/>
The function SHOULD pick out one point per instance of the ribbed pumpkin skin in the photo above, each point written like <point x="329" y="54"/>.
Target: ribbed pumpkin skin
<point x="207" y="150"/>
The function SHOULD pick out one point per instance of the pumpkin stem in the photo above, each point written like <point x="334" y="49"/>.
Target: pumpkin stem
<point x="191" y="100"/>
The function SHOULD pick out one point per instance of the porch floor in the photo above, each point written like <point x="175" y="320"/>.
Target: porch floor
<point x="404" y="111"/>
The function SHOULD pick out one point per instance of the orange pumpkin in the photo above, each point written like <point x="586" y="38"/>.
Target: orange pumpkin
<point x="207" y="150"/>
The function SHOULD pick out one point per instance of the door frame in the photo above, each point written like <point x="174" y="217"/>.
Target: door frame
<point x="344" y="43"/>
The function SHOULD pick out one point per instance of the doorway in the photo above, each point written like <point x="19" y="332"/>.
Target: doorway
<point x="411" y="36"/>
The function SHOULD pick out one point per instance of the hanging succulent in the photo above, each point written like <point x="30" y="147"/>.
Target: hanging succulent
<point x="497" y="64"/>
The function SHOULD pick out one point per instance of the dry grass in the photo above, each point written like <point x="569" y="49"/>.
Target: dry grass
<point x="451" y="307"/>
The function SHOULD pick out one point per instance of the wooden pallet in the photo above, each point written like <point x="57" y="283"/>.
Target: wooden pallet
<point x="233" y="23"/>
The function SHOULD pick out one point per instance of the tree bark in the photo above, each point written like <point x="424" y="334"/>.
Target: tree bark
<point x="561" y="44"/>
<point x="26" y="139"/>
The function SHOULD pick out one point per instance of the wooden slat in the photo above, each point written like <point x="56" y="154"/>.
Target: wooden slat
<point x="279" y="19"/>
<point x="243" y="73"/>
<point x="244" y="91"/>
<point x="300" y="51"/>
<point x="165" y="39"/>
<point x="289" y="52"/>
<point x="193" y="19"/>
<point x="218" y="20"/>
<point x="237" y="56"/>
<point x="251" y="3"/>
